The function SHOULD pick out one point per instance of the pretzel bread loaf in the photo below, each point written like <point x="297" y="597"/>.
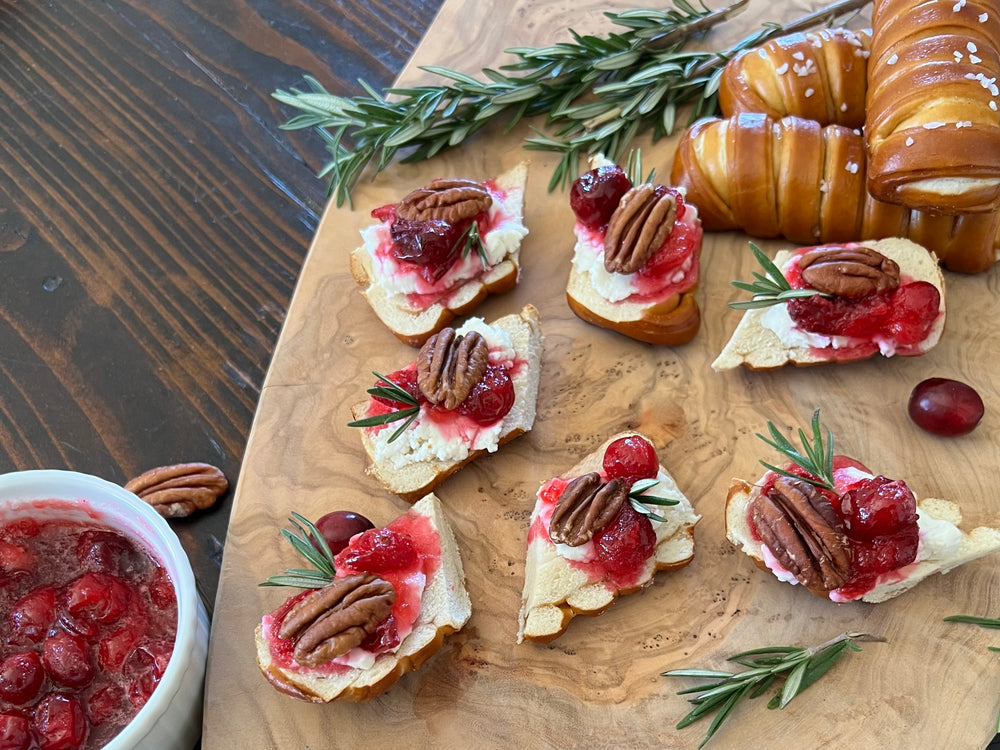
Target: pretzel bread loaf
<point x="818" y="75"/>
<point x="795" y="179"/>
<point x="932" y="121"/>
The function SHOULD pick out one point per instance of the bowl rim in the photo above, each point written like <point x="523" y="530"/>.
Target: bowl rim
<point x="58" y="484"/>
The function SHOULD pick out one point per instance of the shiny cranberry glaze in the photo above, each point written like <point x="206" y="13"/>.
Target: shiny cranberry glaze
<point x="432" y="245"/>
<point x="406" y="379"/>
<point x="594" y="195"/>
<point x="631" y="456"/>
<point x="378" y="551"/>
<point x="625" y="544"/>
<point x="88" y="632"/>
<point x="491" y="398"/>
<point x="945" y="407"/>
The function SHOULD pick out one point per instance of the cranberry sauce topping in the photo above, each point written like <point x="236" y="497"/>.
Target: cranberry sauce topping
<point x="621" y="549"/>
<point x="880" y="520"/>
<point x="594" y="195"/>
<point x="905" y="315"/>
<point x="89" y="629"/>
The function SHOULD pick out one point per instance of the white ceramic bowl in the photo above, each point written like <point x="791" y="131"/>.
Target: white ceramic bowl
<point x="171" y="719"/>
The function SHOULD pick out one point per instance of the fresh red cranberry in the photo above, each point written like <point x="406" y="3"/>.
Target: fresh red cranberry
<point x="32" y="615"/>
<point x="878" y="507"/>
<point x="21" y="677"/>
<point x="594" y="195"/>
<point x="406" y="379"/>
<point x="433" y="244"/>
<point x="14" y="558"/>
<point x="60" y="722"/>
<point x="383" y="638"/>
<point x="631" y="456"/>
<point x="15" y="732"/>
<point x="625" y="544"/>
<point x="491" y="398"/>
<point x="66" y="661"/>
<point x="338" y="527"/>
<point x="105" y="704"/>
<point x="378" y="551"/>
<point x="97" y="597"/>
<point x="945" y="407"/>
<point x="914" y="310"/>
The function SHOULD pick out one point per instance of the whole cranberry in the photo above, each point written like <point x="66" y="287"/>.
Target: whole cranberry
<point x="337" y="528"/>
<point x="631" y="456"/>
<point x="97" y="597"/>
<point x="66" y="660"/>
<point x="595" y="194"/>
<point x="15" y="732"/>
<point x="21" y="677"/>
<point x="945" y="407"/>
<point x="32" y="615"/>
<point x="625" y="544"/>
<point x="878" y="507"/>
<point x="491" y="398"/>
<point x="60" y="722"/>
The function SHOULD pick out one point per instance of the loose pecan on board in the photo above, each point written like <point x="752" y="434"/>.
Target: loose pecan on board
<point x="180" y="489"/>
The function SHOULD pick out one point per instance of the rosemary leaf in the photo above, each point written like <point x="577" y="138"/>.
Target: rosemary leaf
<point x="636" y="78"/>
<point x="306" y="539"/>
<point x="770" y="288"/>
<point x="638" y="500"/>
<point x="389" y="390"/>
<point x="801" y="667"/>
<point x="816" y="457"/>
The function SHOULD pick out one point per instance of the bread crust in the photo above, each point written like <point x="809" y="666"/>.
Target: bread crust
<point x="421" y="477"/>
<point x="542" y="621"/>
<point x="414" y="328"/>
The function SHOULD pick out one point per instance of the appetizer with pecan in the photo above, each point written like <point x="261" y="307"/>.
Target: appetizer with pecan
<point x="838" y="303"/>
<point x="440" y="251"/>
<point x="829" y="523"/>
<point x="369" y="612"/>
<point x="602" y="530"/>
<point x="636" y="260"/>
<point x="469" y="391"/>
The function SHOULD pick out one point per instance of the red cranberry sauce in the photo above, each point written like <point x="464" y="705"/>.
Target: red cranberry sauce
<point x="672" y="269"/>
<point x="621" y="551"/>
<point x="905" y="315"/>
<point x="407" y="554"/>
<point x="430" y="252"/>
<point x="89" y="628"/>
<point x="880" y="520"/>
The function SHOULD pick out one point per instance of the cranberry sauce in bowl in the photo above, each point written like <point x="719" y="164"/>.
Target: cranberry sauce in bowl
<point x="103" y="639"/>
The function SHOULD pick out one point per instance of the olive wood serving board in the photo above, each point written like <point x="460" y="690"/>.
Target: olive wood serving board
<point x="932" y="685"/>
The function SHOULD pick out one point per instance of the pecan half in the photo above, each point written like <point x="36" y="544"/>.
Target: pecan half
<point x="638" y="228"/>
<point x="799" y="525"/>
<point x="586" y="506"/>
<point x="181" y="489"/>
<point x="448" y="365"/>
<point x="851" y="272"/>
<point x="445" y="200"/>
<point x="329" y="622"/>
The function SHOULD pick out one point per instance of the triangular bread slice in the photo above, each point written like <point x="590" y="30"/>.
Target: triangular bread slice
<point x="759" y="347"/>
<point x="556" y="590"/>
<point x="444" y="609"/>
<point x="414" y="326"/>
<point x="949" y="548"/>
<point x="410" y="469"/>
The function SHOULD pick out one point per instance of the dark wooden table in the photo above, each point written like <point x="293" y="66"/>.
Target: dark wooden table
<point x="154" y="219"/>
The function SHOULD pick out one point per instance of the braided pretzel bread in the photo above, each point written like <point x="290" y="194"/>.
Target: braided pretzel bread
<point x="817" y="75"/>
<point x="796" y="179"/>
<point x="932" y="124"/>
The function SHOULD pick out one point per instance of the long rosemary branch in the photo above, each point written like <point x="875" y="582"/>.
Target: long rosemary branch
<point x="596" y="93"/>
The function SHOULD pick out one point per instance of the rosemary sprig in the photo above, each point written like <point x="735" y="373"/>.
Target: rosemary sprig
<point x="769" y="288"/>
<point x="392" y="392"/>
<point x="815" y="456"/>
<point x="309" y="543"/>
<point x="471" y="240"/>
<point x="596" y="93"/>
<point x="639" y="501"/>
<point x="983" y="622"/>
<point x="801" y="667"/>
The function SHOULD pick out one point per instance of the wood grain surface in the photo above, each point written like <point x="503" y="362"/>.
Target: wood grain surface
<point x="154" y="219"/>
<point x="932" y="685"/>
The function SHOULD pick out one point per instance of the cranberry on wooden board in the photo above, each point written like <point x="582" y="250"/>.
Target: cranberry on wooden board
<point x="945" y="407"/>
<point x="338" y="527"/>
